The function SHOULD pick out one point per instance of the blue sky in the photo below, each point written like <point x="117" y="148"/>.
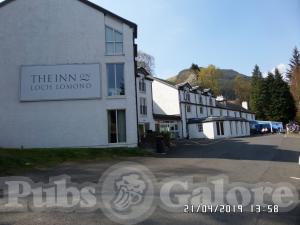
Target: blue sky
<point x="227" y="33"/>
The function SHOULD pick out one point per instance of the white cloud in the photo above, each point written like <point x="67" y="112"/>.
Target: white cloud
<point x="281" y="67"/>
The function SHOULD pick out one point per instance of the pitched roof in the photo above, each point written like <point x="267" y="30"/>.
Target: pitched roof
<point x="215" y="118"/>
<point x="231" y="106"/>
<point x="99" y="8"/>
<point x="166" y="117"/>
<point x="165" y="82"/>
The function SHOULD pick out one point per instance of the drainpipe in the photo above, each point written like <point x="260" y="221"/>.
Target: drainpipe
<point x="136" y="101"/>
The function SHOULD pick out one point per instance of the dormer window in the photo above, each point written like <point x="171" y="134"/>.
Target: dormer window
<point x="113" y="41"/>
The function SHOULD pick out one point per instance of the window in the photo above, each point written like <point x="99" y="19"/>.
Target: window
<point x="115" y="78"/>
<point x="200" y="99"/>
<point x="143" y="106"/>
<point x="200" y="127"/>
<point x="210" y="101"/>
<point x="242" y="127"/>
<point x="188" y="108"/>
<point x="220" y="128"/>
<point x="201" y="109"/>
<point x="142" y="85"/>
<point x="211" y="111"/>
<point x="221" y="112"/>
<point x="186" y="96"/>
<point x="113" y="41"/>
<point x="236" y="127"/>
<point x="116" y="126"/>
<point x="230" y="126"/>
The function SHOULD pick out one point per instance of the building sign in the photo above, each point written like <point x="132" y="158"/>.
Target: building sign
<point x="60" y="82"/>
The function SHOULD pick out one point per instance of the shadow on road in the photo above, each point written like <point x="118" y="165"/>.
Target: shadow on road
<point x="238" y="149"/>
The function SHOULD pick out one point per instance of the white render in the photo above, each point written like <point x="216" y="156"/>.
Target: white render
<point x="200" y="107"/>
<point x="165" y="99"/>
<point x="53" y="32"/>
<point x="146" y="94"/>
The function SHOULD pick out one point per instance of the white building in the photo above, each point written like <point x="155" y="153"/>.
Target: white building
<point x="196" y="113"/>
<point x="144" y="98"/>
<point x="67" y="73"/>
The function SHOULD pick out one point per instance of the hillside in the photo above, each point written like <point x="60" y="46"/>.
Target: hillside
<point x="226" y="81"/>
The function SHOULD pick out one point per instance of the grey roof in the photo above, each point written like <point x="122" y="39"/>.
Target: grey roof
<point x="97" y="7"/>
<point x="232" y="106"/>
<point x="215" y="118"/>
<point x="166" y="117"/>
<point x="165" y="82"/>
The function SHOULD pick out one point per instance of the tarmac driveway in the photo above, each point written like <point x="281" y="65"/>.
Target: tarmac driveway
<point x="252" y="160"/>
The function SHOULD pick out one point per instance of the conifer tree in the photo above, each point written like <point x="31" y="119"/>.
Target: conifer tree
<point x="294" y="62"/>
<point x="258" y="93"/>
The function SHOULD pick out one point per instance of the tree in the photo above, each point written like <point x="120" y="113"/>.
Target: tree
<point x="208" y="78"/>
<point x="295" y="90"/>
<point x="294" y="62"/>
<point x="258" y="93"/>
<point x="269" y="84"/>
<point x="281" y="103"/>
<point x="195" y="67"/>
<point x="146" y="61"/>
<point x="242" y="89"/>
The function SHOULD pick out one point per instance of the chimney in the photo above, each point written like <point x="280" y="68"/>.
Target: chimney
<point x="245" y="105"/>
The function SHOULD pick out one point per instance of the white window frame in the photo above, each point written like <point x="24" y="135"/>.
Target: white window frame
<point x="142" y="85"/>
<point x="115" y="77"/>
<point x="200" y="127"/>
<point x="117" y="127"/>
<point x="114" y="42"/>
<point x="143" y="106"/>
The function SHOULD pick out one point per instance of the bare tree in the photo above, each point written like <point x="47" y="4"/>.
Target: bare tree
<point x="146" y="61"/>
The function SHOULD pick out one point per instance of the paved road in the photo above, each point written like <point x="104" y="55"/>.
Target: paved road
<point x="252" y="160"/>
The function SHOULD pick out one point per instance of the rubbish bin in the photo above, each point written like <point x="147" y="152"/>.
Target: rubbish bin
<point x="160" y="144"/>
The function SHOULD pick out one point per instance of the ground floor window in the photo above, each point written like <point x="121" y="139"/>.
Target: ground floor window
<point x="242" y="127"/>
<point x="200" y="127"/>
<point x="220" y="128"/>
<point x="230" y="126"/>
<point x="116" y="126"/>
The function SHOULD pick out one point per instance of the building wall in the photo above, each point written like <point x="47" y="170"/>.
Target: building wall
<point x="165" y="99"/>
<point x="209" y="130"/>
<point x="194" y="132"/>
<point x="52" y="32"/>
<point x="148" y="95"/>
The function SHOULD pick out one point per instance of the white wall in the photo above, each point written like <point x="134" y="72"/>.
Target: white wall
<point x="148" y="95"/>
<point x="165" y="99"/>
<point x="209" y="130"/>
<point x="50" y="32"/>
<point x="194" y="132"/>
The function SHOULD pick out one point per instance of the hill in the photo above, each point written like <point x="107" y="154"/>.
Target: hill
<point x="226" y="81"/>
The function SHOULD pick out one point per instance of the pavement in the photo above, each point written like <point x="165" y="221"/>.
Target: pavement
<point x="270" y="158"/>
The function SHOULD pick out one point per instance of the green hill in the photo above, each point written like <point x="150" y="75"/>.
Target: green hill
<point x="226" y="81"/>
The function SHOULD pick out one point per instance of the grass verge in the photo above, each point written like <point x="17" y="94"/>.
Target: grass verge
<point x="12" y="161"/>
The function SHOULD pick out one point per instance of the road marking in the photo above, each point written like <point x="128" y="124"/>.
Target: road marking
<point x="296" y="178"/>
